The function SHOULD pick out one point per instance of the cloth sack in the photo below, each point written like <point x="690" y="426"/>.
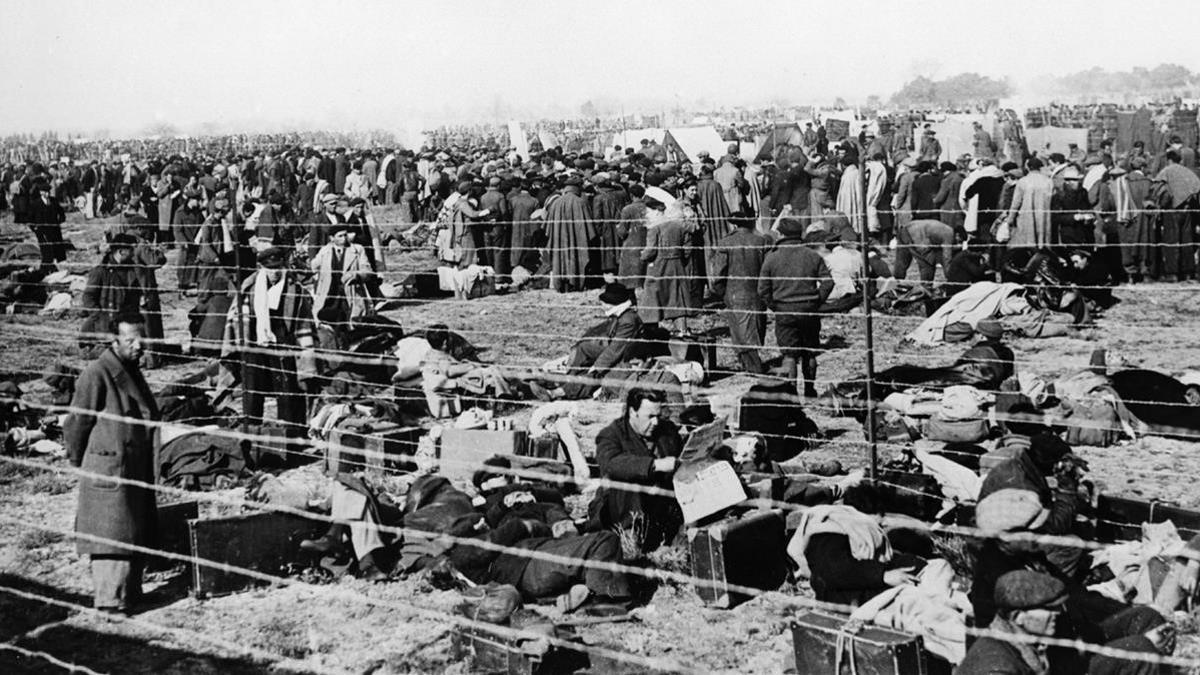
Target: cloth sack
<point x="938" y="428"/>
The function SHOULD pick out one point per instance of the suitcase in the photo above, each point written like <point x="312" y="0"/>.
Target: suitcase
<point x="1121" y="518"/>
<point x="749" y="551"/>
<point x="173" y="533"/>
<point x="463" y="451"/>
<point x="266" y="542"/>
<point x="545" y="446"/>
<point x="364" y="445"/>
<point x="824" y="643"/>
<point x="494" y="653"/>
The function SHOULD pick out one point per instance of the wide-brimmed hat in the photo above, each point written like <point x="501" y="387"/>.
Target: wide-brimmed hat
<point x="615" y="294"/>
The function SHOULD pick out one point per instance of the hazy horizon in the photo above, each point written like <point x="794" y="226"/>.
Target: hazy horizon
<point x="83" y="67"/>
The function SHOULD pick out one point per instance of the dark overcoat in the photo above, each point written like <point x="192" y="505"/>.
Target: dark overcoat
<point x="113" y="444"/>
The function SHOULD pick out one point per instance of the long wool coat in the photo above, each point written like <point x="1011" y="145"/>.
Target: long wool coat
<point x="1030" y="212"/>
<point x="569" y="227"/>
<point x="606" y="211"/>
<point x="113" y="447"/>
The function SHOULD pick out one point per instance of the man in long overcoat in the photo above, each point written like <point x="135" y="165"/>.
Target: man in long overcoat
<point x="569" y="226"/>
<point x="1029" y="215"/>
<point x="114" y="444"/>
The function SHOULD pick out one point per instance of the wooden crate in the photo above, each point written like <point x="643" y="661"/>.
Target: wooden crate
<point x="264" y="542"/>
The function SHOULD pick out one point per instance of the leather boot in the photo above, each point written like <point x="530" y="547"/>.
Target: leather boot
<point x="329" y="542"/>
<point x="369" y="571"/>
<point x="810" y="376"/>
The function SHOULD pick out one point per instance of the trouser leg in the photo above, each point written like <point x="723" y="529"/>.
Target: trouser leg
<point x="116" y="580"/>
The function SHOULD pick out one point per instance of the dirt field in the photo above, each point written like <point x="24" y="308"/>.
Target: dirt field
<point x="1151" y="328"/>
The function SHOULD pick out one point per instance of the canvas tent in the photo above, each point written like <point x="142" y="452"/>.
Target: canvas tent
<point x="632" y="138"/>
<point x="687" y="142"/>
<point x="956" y="134"/>
<point x="1055" y="139"/>
<point x="782" y="134"/>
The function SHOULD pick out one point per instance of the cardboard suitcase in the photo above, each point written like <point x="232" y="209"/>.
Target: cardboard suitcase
<point x="1121" y="518"/>
<point x="361" y="444"/>
<point x="747" y="550"/>
<point x="546" y="446"/>
<point x="265" y="542"/>
<point x="463" y="451"/>
<point x="827" y="644"/>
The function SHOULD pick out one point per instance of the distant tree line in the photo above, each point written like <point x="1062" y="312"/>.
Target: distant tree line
<point x="1164" y="78"/>
<point x="962" y="90"/>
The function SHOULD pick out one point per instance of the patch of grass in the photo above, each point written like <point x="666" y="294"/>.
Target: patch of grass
<point x="282" y="635"/>
<point x="51" y="483"/>
<point x="14" y="474"/>
<point x="31" y="539"/>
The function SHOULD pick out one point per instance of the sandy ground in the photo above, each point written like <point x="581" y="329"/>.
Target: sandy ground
<point x="310" y="631"/>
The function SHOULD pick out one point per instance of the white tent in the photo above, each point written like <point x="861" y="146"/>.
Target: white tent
<point x="687" y="142"/>
<point x="632" y="138"/>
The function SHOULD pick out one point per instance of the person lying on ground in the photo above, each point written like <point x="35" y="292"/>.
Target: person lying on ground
<point x="533" y="519"/>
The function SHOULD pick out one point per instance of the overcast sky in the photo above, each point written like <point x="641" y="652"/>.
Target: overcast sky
<point x="80" y="65"/>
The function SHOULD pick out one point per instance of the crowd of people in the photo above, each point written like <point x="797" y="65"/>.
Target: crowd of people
<point x="295" y="233"/>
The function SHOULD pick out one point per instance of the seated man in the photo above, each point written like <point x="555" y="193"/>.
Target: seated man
<point x="1027" y="604"/>
<point x="602" y="348"/>
<point x="444" y="378"/>
<point x="640" y="448"/>
<point x="21" y="274"/>
<point x="845" y="265"/>
<point x="964" y="269"/>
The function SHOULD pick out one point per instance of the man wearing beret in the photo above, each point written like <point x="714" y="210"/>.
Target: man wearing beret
<point x="1028" y="604"/>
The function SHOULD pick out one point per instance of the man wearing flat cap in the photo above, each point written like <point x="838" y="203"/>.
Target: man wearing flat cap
<point x="1028" y="604"/>
<point x="318" y="234"/>
<point x="277" y="321"/>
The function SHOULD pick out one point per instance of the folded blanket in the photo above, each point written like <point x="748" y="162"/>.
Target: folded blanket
<point x="867" y="539"/>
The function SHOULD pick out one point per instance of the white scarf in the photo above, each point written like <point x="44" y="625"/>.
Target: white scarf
<point x="266" y="298"/>
<point x="618" y="310"/>
<point x="381" y="181"/>
<point x="971" y="222"/>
